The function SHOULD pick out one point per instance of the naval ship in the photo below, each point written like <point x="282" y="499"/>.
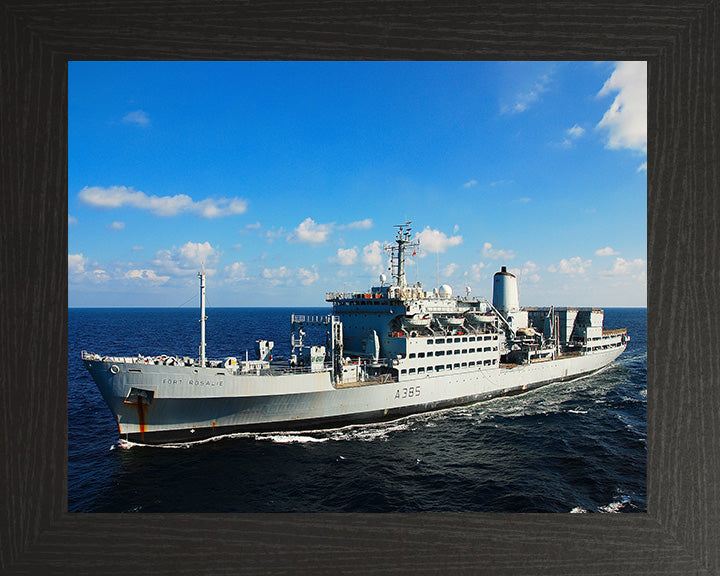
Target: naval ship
<point x="384" y="353"/>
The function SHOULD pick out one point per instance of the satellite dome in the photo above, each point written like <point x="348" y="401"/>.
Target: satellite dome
<point x="445" y="291"/>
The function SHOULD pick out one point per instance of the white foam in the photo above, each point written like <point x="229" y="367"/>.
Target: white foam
<point x="289" y="438"/>
<point x="578" y="411"/>
<point x="578" y="510"/>
<point x="614" y="507"/>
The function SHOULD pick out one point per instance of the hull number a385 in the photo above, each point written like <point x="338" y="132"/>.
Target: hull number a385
<point x="410" y="392"/>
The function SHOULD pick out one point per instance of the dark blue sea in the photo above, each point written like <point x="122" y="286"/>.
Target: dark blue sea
<point x="578" y="446"/>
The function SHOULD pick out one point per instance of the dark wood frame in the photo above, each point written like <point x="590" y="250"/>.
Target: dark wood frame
<point x="680" y="533"/>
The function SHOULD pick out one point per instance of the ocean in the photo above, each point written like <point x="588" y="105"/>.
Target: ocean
<point x="578" y="446"/>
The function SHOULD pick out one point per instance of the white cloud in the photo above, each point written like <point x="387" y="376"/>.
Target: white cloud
<point x="497" y="254"/>
<point x="286" y="276"/>
<point x="523" y="200"/>
<point x="626" y="119"/>
<point x="119" y="196"/>
<point x="236" y="272"/>
<point x="635" y="269"/>
<point x="309" y="231"/>
<point x="148" y="276"/>
<point x="76" y="264"/>
<point x="138" y="117"/>
<point x="607" y="251"/>
<point x="307" y="277"/>
<point x="470" y="184"/>
<point x="72" y="220"/>
<point x="137" y="248"/>
<point x="574" y="266"/>
<point x="255" y="226"/>
<point x="272" y="234"/>
<point x="346" y="256"/>
<point x="449" y="270"/>
<point x="523" y="100"/>
<point x="432" y="241"/>
<point x="575" y="132"/>
<point x="476" y="271"/>
<point x="186" y="260"/>
<point x="77" y="270"/>
<point x="276" y="276"/>
<point x="527" y="273"/>
<point x="116" y="226"/>
<point x="365" y="224"/>
<point x="642" y="167"/>
<point x="373" y="254"/>
<point x="455" y="229"/>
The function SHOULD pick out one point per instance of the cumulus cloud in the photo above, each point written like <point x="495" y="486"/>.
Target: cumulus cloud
<point x="186" y="260"/>
<point x="497" y="254"/>
<point x="607" y="251"/>
<point x="76" y="264"/>
<point x="116" y="226"/>
<point x="527" y="273"/>
<point x="307" y="277"/>
<point x="276" y="275"/>
<point x="470" y="184"/>
<point x="79" y="269"/>
<point x="147" y="276"/>
<point x="121" y="196"/>
<point x="272" y="234"/>
<point x="72" y="220"/>
<point x="626" y="119"/>
<point x="524" y="99"/>
<point x="450" y="269"/>
<point x="365" y="224"/>
<point x="311" y="232"/>
<point x="642" y="167"/>
<point x="574" y="266"/>
<point x="346" y="256"/>
<point x="572" y="134"/>
<point x="373" y="254"/>
<point x="236" y="272"/>
<point x="286" y="276"/>
<point x="635" y="269"/>
<point x="138" y="117"/>
<point x="432" y="241"/>
<point x="575" y="132"/>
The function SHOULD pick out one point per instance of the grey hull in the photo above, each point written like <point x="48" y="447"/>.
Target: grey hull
<point x="185" y="404"/>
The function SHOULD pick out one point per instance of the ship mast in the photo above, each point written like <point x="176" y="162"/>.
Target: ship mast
<point x="397" y="253"/>
<point x="201" y="275"/>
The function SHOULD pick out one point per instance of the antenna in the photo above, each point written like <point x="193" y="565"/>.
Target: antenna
<point x="397" y="253"/>
<point x="201" y="275"/>
<point x="437" y="269"/>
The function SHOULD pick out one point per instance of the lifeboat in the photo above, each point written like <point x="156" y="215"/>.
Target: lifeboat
<point x="416" y="321"/>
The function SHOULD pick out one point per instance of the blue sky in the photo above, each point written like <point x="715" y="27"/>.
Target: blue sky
<point x="285" y="179"/>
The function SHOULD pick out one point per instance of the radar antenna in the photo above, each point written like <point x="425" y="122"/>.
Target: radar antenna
<point x="397" y="253"/>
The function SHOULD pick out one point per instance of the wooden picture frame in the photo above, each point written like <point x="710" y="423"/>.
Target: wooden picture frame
<point x="680" y="533"/>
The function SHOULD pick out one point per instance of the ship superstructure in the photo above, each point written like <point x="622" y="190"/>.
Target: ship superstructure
<point x="390" y="351"/>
